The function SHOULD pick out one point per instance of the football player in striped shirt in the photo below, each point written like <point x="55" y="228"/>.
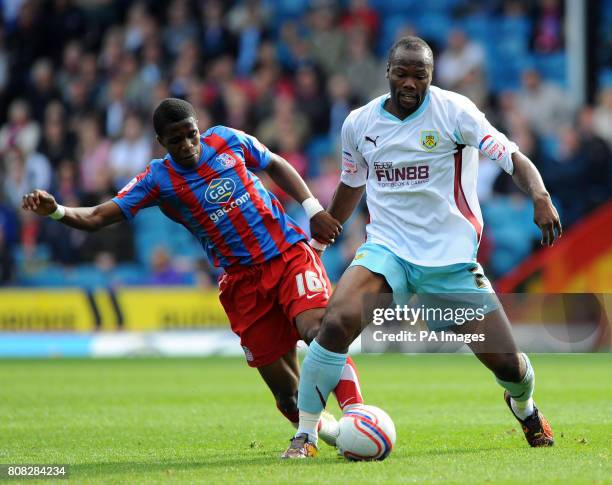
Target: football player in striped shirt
<point x="274" y="288"/>
<point x="414" y="151"/>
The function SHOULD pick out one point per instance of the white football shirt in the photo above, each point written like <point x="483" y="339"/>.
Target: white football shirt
<point x="420" y="175"/>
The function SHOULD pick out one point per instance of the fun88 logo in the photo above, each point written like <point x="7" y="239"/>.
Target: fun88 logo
<point x="220" y="191"/>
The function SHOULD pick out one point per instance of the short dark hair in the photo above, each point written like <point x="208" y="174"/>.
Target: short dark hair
<point x="410" y="43"/>
<point x="171" y="110"/>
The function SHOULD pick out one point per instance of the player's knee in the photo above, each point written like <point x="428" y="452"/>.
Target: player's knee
<point x="510" y="368"/>
<point x="339" y="327"/>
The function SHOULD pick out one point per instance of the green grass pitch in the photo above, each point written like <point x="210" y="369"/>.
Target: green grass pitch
<point x="213" y="421"/>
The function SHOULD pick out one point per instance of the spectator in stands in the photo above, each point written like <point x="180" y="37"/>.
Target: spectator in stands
<point x="137" y="92"/>
<point x="180" y="28"/>
<point x="184" y="71"/>
<point x="360" y="16"/>
<point x="286" y="118"/>
<point x="152" y="63"/>
<point x="57" y="142"/>
<point x="326" y="43"/>
<point x="27" y="42"/>
<point x="247" y="21"/>
<point x="93" y="152"/>
<point x="70" y="70"/>
<point x="42" y="88"/>
<point x="237" y="107"/>
<point x="311" y="98"/>
<point x="115" y="106"/>
<point x="163" y="273"/>
<point x="360" y="67"/>
<point x="131" y="153"/>
<point x="20" y="130"/>
<point x="112" y="51"/>
<point x="216" y="39"/>
<point x="24" y="172"/>
<point x="341" y="103"/>
<point x="137" y="26"/>
<point x="63" y="21"/>
<point x="544" y="105"/>
<point x="548" y="29"/>
<point x="293" y="48"/>
<point x="461" y="65"/>
<point x="569" y="176"/>
<point x="599" y="156"/>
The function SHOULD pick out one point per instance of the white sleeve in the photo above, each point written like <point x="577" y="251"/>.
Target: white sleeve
<point x="476" y="131"/>
<point x="354" y="167"/>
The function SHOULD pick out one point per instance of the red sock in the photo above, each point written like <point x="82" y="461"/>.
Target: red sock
<point x="292" y="416"/>
<point x="348" y="390"/>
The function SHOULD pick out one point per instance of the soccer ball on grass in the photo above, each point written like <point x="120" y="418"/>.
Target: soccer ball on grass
<point x="366" y="433"/>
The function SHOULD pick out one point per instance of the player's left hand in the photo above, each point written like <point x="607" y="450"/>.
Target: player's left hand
<point x="325" y="228"/>
<point x="547" y="219"/>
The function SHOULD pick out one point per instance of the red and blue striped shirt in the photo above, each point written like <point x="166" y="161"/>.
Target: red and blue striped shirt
<point x="220" y="201"/>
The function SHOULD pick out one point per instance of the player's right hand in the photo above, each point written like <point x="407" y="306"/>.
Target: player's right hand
<point x="39" y="202"/>
<point x="325" y="228"/>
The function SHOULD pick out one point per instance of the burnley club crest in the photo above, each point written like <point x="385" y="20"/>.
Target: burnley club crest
<point x="429" y="139"/>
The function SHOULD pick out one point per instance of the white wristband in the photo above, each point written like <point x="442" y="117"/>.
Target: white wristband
<point x="317" y="245"/>
<point x="312" y="206"/>
<point x="59" y="213"/>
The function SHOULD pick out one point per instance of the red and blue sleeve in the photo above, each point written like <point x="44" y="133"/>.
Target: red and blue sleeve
<point x="140" y="192"/>
<point x="256" y="154"/>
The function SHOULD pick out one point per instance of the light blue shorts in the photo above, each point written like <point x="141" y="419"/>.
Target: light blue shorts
<point x="455" y="285"/>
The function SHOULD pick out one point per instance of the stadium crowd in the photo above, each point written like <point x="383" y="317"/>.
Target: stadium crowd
<point x="79" y="81"/>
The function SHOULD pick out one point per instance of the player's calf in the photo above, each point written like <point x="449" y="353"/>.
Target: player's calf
<point x="287" y="405"/>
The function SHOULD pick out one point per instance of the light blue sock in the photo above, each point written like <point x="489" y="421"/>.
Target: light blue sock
<point x="320" y="374"/>
<point x="523" y="390"/>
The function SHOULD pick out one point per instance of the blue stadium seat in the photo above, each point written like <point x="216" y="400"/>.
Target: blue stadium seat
<point x="127" y="274"/>
<point x="51" y="275"/>
<point x="86" y="276"/>
<point x="433" y="27"/>
<point x="390" y="27"/>
<point x="478" y="27"/>
<point x="552" y="67"/>
<point x="508" y="221"/>
<point x="386" y="7"/>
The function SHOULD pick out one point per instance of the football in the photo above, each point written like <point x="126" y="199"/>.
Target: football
<point x="366" y="433"/>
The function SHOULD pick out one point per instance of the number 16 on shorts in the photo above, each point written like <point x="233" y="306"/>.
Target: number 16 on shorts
<point x="308" y="280"/>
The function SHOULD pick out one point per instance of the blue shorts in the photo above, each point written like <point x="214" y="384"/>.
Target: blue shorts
<point x="455" y="285"/>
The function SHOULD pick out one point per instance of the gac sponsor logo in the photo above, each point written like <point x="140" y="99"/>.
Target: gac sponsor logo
<point x="220" y="191"/>
<point x="227" y="208"/>
<point x="389" y="176"/>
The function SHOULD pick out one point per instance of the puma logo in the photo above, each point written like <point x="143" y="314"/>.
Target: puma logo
<point x="372" y="140"/>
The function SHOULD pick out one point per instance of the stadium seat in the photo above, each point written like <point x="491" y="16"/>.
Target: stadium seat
<point x="552" y="67"/>
<point x="433" y="27"/>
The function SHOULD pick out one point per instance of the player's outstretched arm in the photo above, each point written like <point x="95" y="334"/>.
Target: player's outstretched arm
<point x="345" y="201"/>
<point x="528" y="179"/>
<point x="287" y="178"/>
<point x="85" y="218"/>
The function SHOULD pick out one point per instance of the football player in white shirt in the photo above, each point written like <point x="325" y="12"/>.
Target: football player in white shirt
<point x="415" y="153"/>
